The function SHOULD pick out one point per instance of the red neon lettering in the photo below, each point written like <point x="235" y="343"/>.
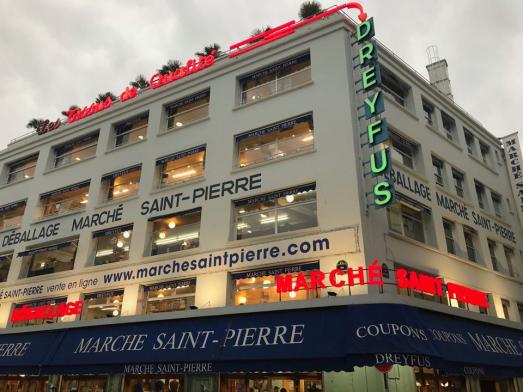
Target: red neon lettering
<point x="375" y="273"/>
<point x="467" y="295"/>
<point x="360" y="276"/>
<point x="288" y="28"/>
<point x="48" y="126"/>
<point x="44" y="312"/>
<point x="317" y="279"/>
<point x="192" y="66"/>
<point x="128" y="93"/>
<point x="332" y="278"/>
<point x="301" y="282"/>
<point x="284" y="283"/>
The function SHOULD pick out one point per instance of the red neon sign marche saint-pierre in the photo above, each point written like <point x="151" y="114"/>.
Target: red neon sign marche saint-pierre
<point x="373" y="276"/>
<point x="288" y="28"/>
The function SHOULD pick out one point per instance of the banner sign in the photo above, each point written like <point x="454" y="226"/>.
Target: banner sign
<point x="181" y="154"/>
<point x="12" y="206"/>
<point x="66" y="189"/>
<point x="123" y="172"/>
<point x="288" y="269"/>
<point x="171" y="108"/>
<point x="275" y="195"/>
<point x="281" y="126"/>
<point x="514" y="160"/>
<point x="46" y="312"/>
<point x="285" y="340"/>
<point x="227" y="259"/>
<point x="174" y="284"/>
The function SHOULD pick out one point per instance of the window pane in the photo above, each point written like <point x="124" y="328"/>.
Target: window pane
<point x="188" y="113"/>
<point x="263" y="289"/>
<point x="124" y="186"/>
<point x="75" y="151"/>
<point x="394" y="217"/>
<point x="5" y="264"/>
<point x="183" y="169"/>
<point x="13" y="217"/>
<point x="131" y="131"/>
<point x="170" y="299"/>
<point x="412" y="224"/>
<point x="296" y="212"/>
<point x="103" y="306"/>
<point x="111" y="249"/>
<point x="276" y="144"/>
<point x="64" y="202"/>
<point x="22" y="169"/>
<point x="176" y="233"/>
<point x="53" y="261"/>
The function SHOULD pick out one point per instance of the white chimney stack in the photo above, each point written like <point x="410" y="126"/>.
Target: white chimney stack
<point x="439" y="72"/>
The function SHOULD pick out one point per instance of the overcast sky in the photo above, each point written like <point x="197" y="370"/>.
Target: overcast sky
<point x="57" y="53"/>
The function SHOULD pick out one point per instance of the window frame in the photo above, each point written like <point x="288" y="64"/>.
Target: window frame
<point x="22" y="162"/>
<point x="130" y="122"/>
<point x="89" y="140"/>
<point x="448" y="230"/>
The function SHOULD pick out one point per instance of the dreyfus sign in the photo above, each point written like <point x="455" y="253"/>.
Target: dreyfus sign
<point x="514" y="163"/>
<point x="376" y="131"/>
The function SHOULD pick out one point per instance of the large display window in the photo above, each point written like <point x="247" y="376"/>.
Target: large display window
<point x="49" y="259"/>
<point x="280" y="382"/>
<point x="259" y="286"/>
<point x="64" y="200"/>
<point x="23" y="384"/>
<point x="83" y="384"/>
<point x="175" y="232"/>
<point x="169" y="296"/>
<point x="103" y="305"/>
<point x="112" y="245"/>
<point x="154" y="383"/>
<point x="11" y="214"/>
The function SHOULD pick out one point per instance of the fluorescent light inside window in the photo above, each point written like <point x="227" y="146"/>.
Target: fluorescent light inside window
<point x="179" y="238"/>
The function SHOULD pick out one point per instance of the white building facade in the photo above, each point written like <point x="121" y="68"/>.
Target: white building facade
<point x="181" y="206"/>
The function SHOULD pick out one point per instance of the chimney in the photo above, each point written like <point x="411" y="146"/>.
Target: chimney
<point x="439" y="72"/>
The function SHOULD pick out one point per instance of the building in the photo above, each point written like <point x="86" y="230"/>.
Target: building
<point x="143" y="241"/>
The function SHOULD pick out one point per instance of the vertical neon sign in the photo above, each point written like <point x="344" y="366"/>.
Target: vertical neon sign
<point x="376" y="131"/>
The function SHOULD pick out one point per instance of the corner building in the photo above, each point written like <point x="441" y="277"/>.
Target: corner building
<point x="141" y="245"/>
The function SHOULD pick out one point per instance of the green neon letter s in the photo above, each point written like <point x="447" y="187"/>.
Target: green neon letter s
<point x="382" y="194"/>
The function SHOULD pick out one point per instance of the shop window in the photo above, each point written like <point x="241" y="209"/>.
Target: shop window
<point x="156" y="383"/>
<point x="49" y="259"/>
<point x="471" y="238"/>
<point x="275" y="141"/>
<point x="259" y="286"/>
<point x="261" y="382"/>
<point x="459" y="182"/>
<point x="485" y="153"/>
<point x="83" y="384"/>
<point x="492" y="251"/>
<point x="407" y="221"/>
<point x="112" y="245"/>
<point x="448" y="228"/>
<point x="437" y="164"/>
<point x="276" y="78"/>
<point x="509" y="256"/>
<point x="38" y="321"/>
<point x="277" y="212"/>
<point x="188" y="110"/>
<point x="75" y="151"/>
<point x="22" y="169"/>
<point x="449" y="125"/>
<point x="520" y="311"/>
<point x="181" y="167"/>
<point x="429" y="112"/>
<point x="429" y="379"/>
<point x="63" y="200"/>
<point x="26" y="383"/>
<point x="175" y="232"/>
<point x="505" y="307"/>
<point x="103" y="305"/>
<point x="169" y="296"/>
<point x="497" y="204"/>
<point x="122" y="183"/>
<point x="403" y="150"/>
<point x="5" y="264"/>
<point x="394" y="87"/>
<point x="469" y="140"/>
<point x="131" y="131"/>
<point x="11" y="214"/>
<point x="480" y="193"/>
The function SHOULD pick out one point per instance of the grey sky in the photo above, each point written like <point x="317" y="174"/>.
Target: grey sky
<point x="57" y="53"/>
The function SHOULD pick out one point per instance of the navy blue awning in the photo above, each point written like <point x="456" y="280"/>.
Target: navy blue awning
<point x="50" y="248"/>
<point x="13" y="205"/>
<point x="122" y="172"/>
<point x="179" y="155"/>
<point x="69" y="188"/>
<point x="288" y="269"/>
<point x="280" y="126"/>
<point x="323" y="339"/>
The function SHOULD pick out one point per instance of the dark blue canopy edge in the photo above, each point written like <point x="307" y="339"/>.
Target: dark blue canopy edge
<point x="333" y="338"/>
